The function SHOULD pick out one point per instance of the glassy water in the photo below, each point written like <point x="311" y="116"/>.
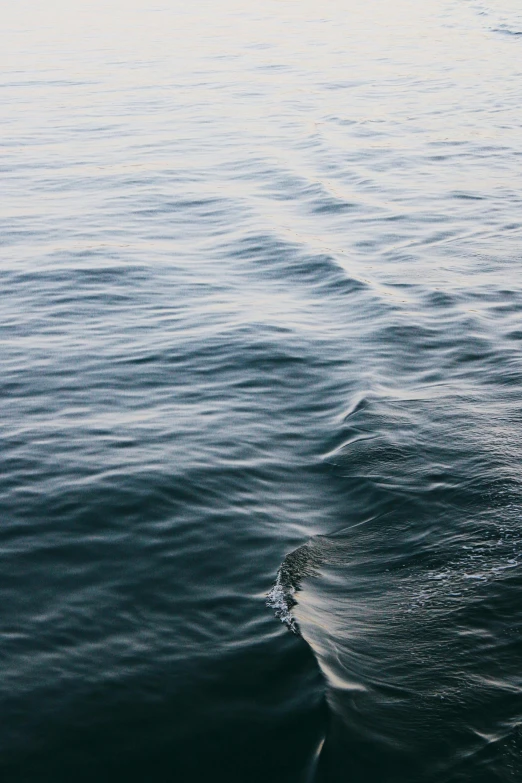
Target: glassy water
<point x="261" y="299"/>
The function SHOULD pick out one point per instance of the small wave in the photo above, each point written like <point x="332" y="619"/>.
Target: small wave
<point x="506" y="30"/>
<point x="297" y="565"/>
<point x="500" y="24"/>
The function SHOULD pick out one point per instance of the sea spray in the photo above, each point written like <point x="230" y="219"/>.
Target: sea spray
<point x="300" y="563"/>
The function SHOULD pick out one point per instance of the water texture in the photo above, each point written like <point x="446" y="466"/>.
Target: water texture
<point x="261" y="331"/>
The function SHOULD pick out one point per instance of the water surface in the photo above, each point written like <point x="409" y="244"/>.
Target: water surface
<point x="261" y="295"/>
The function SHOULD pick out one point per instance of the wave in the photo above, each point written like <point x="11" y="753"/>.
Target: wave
<point x="497" y="20"/>
<point x="418" y="642"/>
<point x="297" y="565"/>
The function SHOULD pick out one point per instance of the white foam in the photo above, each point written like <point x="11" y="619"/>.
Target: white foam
<point x="280" y="599"/>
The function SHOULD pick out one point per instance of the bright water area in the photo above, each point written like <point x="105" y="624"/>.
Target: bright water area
<point x="261" y="299"/>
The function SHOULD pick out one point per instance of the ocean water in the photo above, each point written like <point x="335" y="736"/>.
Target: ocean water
<point x="261" y="343"/>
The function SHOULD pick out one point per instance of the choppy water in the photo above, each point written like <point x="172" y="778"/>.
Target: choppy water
<point x="261" y="296"/>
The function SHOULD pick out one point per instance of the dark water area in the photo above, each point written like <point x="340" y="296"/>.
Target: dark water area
<point x="261" y="336"/>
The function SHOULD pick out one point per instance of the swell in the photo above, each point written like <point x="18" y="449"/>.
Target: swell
<point x="410" y="605"/>
<point x="418" y="648"/>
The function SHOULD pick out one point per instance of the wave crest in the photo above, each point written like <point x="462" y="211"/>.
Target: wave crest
<point x="297" y="565"/>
